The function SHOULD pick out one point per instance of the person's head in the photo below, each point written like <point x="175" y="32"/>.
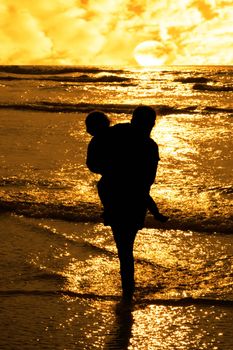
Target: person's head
<point x="143" y="119"/>
<point x="96" y="122"/>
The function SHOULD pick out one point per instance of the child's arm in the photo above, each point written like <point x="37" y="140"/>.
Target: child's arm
<point x="152" y="207"/>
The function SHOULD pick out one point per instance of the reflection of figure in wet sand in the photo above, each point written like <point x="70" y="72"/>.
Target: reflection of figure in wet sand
<point x="127" y="159"/>
<point x="121" y="332"/>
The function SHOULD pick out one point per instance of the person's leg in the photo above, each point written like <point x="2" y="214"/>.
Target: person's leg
<point x="124" y="241"/>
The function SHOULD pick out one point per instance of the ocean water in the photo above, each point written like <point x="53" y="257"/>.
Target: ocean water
<point x="59" y="279"/>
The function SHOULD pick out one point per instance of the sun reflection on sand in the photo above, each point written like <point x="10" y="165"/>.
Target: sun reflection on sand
<point x="161" y="327"/>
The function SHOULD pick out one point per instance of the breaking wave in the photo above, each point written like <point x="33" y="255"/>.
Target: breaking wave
<point x="55" y="107"/>
<point x="214" y="88"/>
<point x="82" y="211"/>
<point x="46" y="70"/>
<point x="189" y="80"/>
<point x="92" y="212"/>
<point x="84" y="78"/>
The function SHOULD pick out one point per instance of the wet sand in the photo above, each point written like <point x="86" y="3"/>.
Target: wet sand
<point x="44" y="304"/>
<point x="44" y="321"/>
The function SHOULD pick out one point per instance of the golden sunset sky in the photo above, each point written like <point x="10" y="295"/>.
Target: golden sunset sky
<point x="116" y="32"/>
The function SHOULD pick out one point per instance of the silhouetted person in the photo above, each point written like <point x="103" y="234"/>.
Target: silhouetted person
<point x="128" y="165"/>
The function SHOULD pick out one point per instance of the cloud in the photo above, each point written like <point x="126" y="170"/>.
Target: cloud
<point x="21" y="36"/>
<point x="90" y="32"/>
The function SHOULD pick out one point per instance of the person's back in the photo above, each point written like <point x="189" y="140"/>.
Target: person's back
<point x="134" y="155"/>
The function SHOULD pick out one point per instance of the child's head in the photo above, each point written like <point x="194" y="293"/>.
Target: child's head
<point x="96" y="122"/>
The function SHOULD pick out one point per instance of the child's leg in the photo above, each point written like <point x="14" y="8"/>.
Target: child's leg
<point x="152" y="207"/>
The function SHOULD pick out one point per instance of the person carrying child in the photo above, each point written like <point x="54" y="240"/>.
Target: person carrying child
<point x="98" y="125"/>
<point x="127" y="159"/>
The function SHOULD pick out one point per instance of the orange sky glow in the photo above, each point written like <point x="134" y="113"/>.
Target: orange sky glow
<point x="116" y="32"/>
